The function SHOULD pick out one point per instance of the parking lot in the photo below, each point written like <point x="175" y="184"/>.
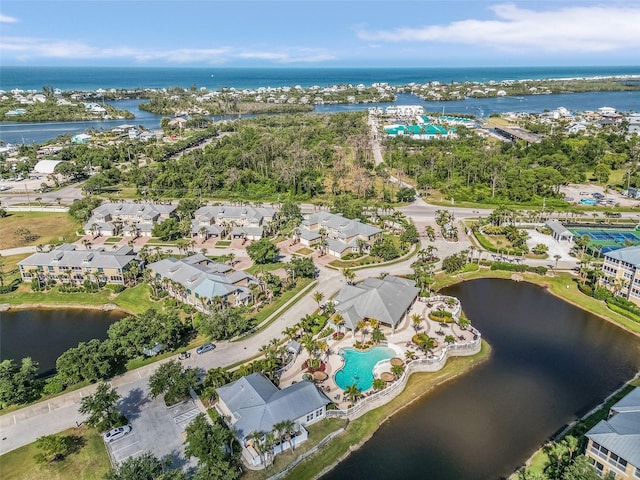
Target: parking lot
<point x="577" y="192"/>
<point x="155" y="428"/>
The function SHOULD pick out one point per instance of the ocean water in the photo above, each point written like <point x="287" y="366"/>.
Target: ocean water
<point x="94" y="78"/>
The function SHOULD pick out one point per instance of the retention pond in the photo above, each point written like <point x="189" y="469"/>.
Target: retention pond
<point x="45" y="334"/>
<point x="551" y="363"/>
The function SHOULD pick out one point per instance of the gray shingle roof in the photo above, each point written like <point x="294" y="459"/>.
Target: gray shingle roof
<point x="67" y="256"/>
<point x="256" y="215"/>
<point x="621" y="432"/>
<point x="202" y="276"/>
<point x="344" y="226"/>
<point x="257" y="405"/>
<point x="386" y="300"/>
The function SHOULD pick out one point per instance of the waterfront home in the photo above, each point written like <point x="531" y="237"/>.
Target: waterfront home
<point x="253" y="404"/>
<point x="620" y="273"/>
<point x="387" y="300"/>
<point x="614" y="444"/>
<point x="341" y="235"/>
<point x="81" y="138"/>
<point x="127" y="218"/>
<point x="404" y="111"/>
<point x="197" y="281"/>
<point x="240" y="222"/>
<point x="65" y="264"/>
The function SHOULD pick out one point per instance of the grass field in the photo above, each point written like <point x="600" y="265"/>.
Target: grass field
<point x="48" y="227"/>
<point x="91" y="462"/>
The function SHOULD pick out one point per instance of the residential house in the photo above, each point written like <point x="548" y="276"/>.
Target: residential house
<point x="253" y="404"/>
<point x="387" y="300"/>
<point x="196" y="280"/>
<point x="65" y="264"/>
<point x="621" y="273"/>
<point x="239" y="222"/>
<point x="81" y="138"/>
<point x="614" y="444"/>
<point x="342" y="235"/>
<point x="127" y="218"/>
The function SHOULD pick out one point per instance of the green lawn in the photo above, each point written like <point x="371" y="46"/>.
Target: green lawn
<point x="266" y="267"/>
<point x="91" y="462"/>
<point x="134" y="300"/>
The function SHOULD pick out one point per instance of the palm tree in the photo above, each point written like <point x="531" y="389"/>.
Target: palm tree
<point x="410" y="355"/>
<point x="352" y="391"/>
<point x="416" y="321"/>
<point x="362" y="326"/>
<point x="289" y="429"/>
<point x="318" y="296"/>
<point x="377" y="336"/>
<point x="338" y="320"/>
<point x="349" y="275"/>
<point x="556" y="257"/>
<point x="379" y="384"/>
<point x="397" y="370"/>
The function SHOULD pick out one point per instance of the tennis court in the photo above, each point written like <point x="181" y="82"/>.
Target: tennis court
<point x="606" y="240"/>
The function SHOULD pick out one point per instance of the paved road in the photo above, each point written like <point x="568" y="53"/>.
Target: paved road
<point x="27" y="424"/>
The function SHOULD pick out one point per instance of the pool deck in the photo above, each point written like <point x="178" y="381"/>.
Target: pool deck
<point x="400" y="341"/>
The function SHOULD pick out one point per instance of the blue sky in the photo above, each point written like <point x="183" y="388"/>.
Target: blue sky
<point x="268" y="33"/>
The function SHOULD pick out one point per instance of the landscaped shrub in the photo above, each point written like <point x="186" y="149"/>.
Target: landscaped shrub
<point x="513" y="267"/>
<point x="441" y="316"/>
<point x="116" y="288"/>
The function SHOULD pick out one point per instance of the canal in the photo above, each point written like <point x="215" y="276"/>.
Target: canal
<point x="551" y="363"/>
<point x="45" y="334"/>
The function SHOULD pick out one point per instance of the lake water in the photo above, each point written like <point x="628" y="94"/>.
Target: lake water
<point x="45" y="334"/>
<point x="551" y="362"/>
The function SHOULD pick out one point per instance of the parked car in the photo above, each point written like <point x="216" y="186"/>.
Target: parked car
<point x="116" y="433"/>
<point x="184" y="355"/>
<point x="207" y="347"/>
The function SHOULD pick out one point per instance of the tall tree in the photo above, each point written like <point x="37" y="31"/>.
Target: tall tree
<point x="101" y="407"/>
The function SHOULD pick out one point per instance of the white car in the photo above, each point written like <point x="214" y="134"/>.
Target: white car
<point x="116" y="433"/>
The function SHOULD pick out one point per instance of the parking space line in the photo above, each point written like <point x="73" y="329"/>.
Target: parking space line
<point x="131" y="455"/>
<point x="126" y="446"/>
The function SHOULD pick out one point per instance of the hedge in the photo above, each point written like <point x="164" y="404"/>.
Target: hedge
<point x="512" y="267"/>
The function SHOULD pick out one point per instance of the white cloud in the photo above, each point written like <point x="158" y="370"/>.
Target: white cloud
<point x="28" y="47"/>
<point x="569" y="29"/>
<point x="7" y="19"/>
<point x="38" y="48"/>
<point x="297" y="56"/>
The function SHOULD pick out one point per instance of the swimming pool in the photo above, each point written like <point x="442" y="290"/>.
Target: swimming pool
<point x="358" y="366"/>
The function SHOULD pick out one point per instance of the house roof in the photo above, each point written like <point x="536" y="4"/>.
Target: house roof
<point x="202" y="276"/>
<point x="629" y="255"/>
<point x="558" y="228"/>
<point x="386" y="300"/>
<point x="67" y="256"/>
<point x="344" y="227"/>
<point x="255" y="215"/>
<point x="620" y="433"/>
<point x="257" y="404"/>
<point x="46" y="166"/>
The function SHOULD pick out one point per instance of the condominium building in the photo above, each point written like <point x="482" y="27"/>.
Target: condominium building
<point x="614" y="444"/>
<point x="127" y="218"/>
<point x="620" y="273"/>
<point x="65" y="264"/>
<point x="341" y="235"/>
<point x="196" y="280"/>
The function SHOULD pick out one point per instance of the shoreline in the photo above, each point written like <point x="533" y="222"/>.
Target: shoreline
<point x="107" y="307"/>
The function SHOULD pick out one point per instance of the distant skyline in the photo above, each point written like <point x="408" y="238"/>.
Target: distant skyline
<point x="314" y="33"/>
